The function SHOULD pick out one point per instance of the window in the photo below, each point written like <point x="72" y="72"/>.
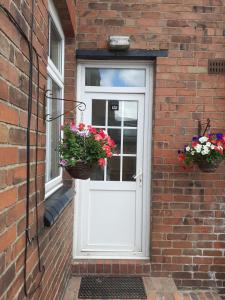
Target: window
<point x="55" y="86"/>
<point x="112" y="77"/>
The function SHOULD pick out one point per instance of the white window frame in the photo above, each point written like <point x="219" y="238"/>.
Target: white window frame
<point x="58" y="77"/>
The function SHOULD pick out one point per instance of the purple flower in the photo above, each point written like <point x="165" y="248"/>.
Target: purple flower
<point x="195" y="138"/>
<point x="219" y="136"/>
<point x="63" y="162"/>
<point x="73" y="128"/>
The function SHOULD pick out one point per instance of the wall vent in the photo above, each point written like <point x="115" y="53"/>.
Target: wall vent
<point x="216" y="66"/>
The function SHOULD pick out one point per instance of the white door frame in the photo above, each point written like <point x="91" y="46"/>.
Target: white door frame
<point x="148" y="93"/>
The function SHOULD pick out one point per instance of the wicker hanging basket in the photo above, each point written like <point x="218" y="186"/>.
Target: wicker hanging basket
<point x="209" y="167"/>
<point x="80" y="171"/>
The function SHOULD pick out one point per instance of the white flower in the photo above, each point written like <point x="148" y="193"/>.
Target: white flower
<point x="192" y="152"/>
<point x="205" y="151"/>
<point x="203" y="139"/>
<point x="208" y="144"/>
<point x="212" y="147"/>
<point x="188" y="148"/>
<point x="205" y="148"/>
<point x="198" y="148"/>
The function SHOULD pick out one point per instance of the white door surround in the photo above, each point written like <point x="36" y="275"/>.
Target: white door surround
<point x="112" y="209"/>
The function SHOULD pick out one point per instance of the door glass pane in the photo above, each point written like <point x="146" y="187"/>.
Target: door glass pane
<point x="113" y="77"/>
<point x="113" y="169"/>
<point x="129" y="141"/>
<point x="98" y="112"/>
<point x="122" y="114"/>
<point x="97" y="173"/>
<point x="130" y="113"/>
<point x="129" y="168"/>
<point x="115" y="134"/>
<point x="114" y="115"/>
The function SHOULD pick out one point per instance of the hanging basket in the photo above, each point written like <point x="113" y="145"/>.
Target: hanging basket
<point x="79" y="171"/>
<point x="209" y="167"/>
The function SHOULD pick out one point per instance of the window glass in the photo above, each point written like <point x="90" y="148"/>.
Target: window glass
<point x="113" y="169"/>
<point x="115" y="134"/>
<point x="115" y="77"/>
<point x="55" y="45"/>
<point x="129" y="141"/>
<point x="54" y="109"/>
<point x="97" y="173"/>
<point x="98" y="112"/>
<point x="129" y="168"/>
<point x="130" y="113"/>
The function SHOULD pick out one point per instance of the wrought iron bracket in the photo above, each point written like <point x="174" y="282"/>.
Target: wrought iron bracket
<point x="201" y="129"/>
<point x="81" y="106"/>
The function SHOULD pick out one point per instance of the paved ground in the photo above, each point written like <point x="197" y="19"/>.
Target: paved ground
<point x="156" y="288"/>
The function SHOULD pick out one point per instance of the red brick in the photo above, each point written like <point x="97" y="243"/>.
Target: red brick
<point x="7" y="238"/>
<point x="8" y="156"/>
<point x="8" y="114"/>
<point x="8" y="197"/>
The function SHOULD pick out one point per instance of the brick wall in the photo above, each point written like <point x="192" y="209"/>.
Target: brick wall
<point x="56" y="242"/>
<point x="188" y="208"/>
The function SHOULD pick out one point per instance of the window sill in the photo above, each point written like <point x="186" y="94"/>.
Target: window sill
<point x="56" y="203"/>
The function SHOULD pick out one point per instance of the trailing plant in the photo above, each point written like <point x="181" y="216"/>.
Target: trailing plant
<point x="208" y="148"/>
<point x="84" y="143"/>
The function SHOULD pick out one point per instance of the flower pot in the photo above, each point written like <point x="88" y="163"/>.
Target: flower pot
<point x="209" y="167"/>
<point x="79" y="171"/>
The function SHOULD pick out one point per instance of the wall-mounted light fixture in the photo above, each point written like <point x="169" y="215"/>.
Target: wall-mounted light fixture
<point x="118" y="42"/>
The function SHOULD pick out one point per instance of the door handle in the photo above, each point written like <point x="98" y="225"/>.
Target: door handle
<point x="137" y="175"/>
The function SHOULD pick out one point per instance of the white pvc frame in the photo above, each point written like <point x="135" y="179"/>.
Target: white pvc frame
<point x="58" y="77"/>
<point x="148" y="92"/>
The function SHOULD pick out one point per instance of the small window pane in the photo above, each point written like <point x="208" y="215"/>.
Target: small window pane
<point x="55" y="131"/>
<point x="115" y="134"/>
<point x="98" y="112"/>
<point x="55" y="46"/>
<point x="130" y="141"/>
<point x="130" y="113"/>
<point x="129" y="168"/>
<point x="113" y="169"/>
<point x="97" y="173"/>
<point x="115" y="77"/>
<point x="114" y="116"/>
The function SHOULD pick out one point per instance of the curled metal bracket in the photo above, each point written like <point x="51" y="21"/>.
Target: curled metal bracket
<point x="200" y="127"/>
<point x="81" y="106"/>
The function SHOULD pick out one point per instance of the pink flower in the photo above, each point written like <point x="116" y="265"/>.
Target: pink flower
<point x="103" y="134"/>
<point x="98" y="137"/>
<point x="111" y="143"/>
<point x="92" y="129"/>
<point x="109" y="154"/>
<point x="106" y="148"/>
<point x="101" y="162"/>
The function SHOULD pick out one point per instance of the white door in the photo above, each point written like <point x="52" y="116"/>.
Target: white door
<point x="112" y="208"/>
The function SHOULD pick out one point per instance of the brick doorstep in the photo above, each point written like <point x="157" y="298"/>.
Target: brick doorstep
<point x="111" y="267"/>
<point x="156" y="289"/>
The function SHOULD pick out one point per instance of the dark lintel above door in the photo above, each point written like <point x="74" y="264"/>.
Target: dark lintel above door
<point x="100" y="54"/>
